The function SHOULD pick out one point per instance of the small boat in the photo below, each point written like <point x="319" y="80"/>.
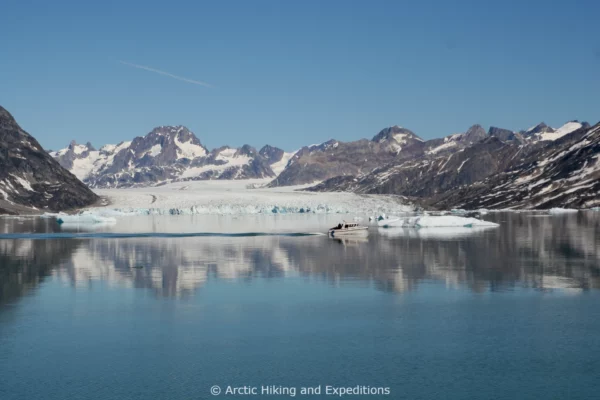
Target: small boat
<point x="348" y="228"/>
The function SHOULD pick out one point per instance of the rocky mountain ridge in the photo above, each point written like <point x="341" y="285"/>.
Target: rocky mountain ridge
<point x="545" y="168"/>
<point x="30" y="179"/>
<point x="166" y="154"/>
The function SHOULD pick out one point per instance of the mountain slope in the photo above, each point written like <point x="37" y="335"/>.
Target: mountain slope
<point x="335" y="158"/>
<point x="30" y="178"/>
<point x="563" y="173"/>
<point x="495" y="173"/>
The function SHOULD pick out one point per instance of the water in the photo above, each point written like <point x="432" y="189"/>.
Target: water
<point x="503" y="313"/>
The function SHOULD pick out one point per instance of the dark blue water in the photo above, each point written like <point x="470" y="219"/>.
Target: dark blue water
<point x="505" y="313"/>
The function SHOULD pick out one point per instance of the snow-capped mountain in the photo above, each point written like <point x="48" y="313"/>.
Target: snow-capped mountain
<point x="30" y="178"/>
<point x="538" y="168"/>
<point x="563" y="172"/>
<point x="166" y="154"/>
<point x="332" y="158"/>
<point x="396" y="138"/>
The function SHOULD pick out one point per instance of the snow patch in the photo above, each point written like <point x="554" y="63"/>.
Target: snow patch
<point x="444" y="146"/>
<point x="25" y="184"/>
<point x="155" y="150"/>
<point x="233" y="162"/>
<point x="189" y="149"/>
<point x="280" y="165"/>
<point x="560" y="132"/>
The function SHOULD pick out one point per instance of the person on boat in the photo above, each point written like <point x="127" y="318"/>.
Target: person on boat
<point x="339" y="226"/>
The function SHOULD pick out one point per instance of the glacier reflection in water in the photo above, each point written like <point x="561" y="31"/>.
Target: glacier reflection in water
<point x="559" y="252"/>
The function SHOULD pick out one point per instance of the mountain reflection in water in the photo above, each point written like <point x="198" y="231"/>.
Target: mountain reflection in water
<point x="529" y="252"/>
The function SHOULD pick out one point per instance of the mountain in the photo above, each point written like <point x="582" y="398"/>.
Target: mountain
<point x="30" y="178"/>
<point x="166" y="154"/>
<point x="553" y="168"/>
<point x="564" y="172"/>
<point x="391" y="146"/>
<point x="334" y="158"/>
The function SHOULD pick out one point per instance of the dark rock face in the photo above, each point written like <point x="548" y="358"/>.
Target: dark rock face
<point x="396" y="134"/>
<point x="332" y="158"/>
<point x="30" y="177"/>
<point x="271" y="154"/>
<point x="505" y="135"/>
<point x="474" y="134"/>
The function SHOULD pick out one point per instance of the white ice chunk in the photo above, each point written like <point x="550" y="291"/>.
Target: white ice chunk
<point x="434" y="221"/>
<point x="558" y="210"/>
<point x="84" y="218"/>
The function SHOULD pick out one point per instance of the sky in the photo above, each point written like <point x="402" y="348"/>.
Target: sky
<point x="294" y="73"/>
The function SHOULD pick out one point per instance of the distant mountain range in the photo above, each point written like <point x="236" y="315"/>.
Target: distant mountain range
<point x="459" y="170"/>
<point x="167" y="154"/>
<point x="540" y="167"/>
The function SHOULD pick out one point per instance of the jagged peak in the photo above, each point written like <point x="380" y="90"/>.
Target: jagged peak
<point x="394" y="132"/>
<point x="247" y="150"/>
<point x="539" y="128"/>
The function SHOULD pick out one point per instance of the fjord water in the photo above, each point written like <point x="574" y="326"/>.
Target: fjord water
<point x="511" y="312"/>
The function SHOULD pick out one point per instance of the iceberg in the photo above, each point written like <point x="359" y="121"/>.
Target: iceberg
<point x="84" y="218"/>
<point x="430" y="221"/>
<point x="558" y="210"/>
<point x="447" y="233"/>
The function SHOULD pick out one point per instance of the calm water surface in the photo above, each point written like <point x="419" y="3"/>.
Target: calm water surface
<point x="503" y="313"/>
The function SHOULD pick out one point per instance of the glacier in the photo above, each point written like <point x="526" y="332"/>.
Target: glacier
<point x="241" y="197"/>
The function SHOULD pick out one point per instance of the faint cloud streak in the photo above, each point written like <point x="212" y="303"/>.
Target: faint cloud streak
<point x="158" y="71"/>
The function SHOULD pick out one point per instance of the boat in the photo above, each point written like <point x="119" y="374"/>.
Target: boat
<point x="348" y="228"/>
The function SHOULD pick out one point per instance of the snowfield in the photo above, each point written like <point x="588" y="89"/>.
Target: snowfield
<point x="237" y="197"/>
<point x="560" y="132"/>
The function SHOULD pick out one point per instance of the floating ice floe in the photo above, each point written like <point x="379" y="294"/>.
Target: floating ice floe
<point x="558" y="210"/>
<point x="444" y="233"/>
<point x="84" y="218"/>
<point x="435" y="221"/>
<point x="595" y="209"/>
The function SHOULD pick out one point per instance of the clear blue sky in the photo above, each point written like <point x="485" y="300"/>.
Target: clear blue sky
<point x="291" y="73"/>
